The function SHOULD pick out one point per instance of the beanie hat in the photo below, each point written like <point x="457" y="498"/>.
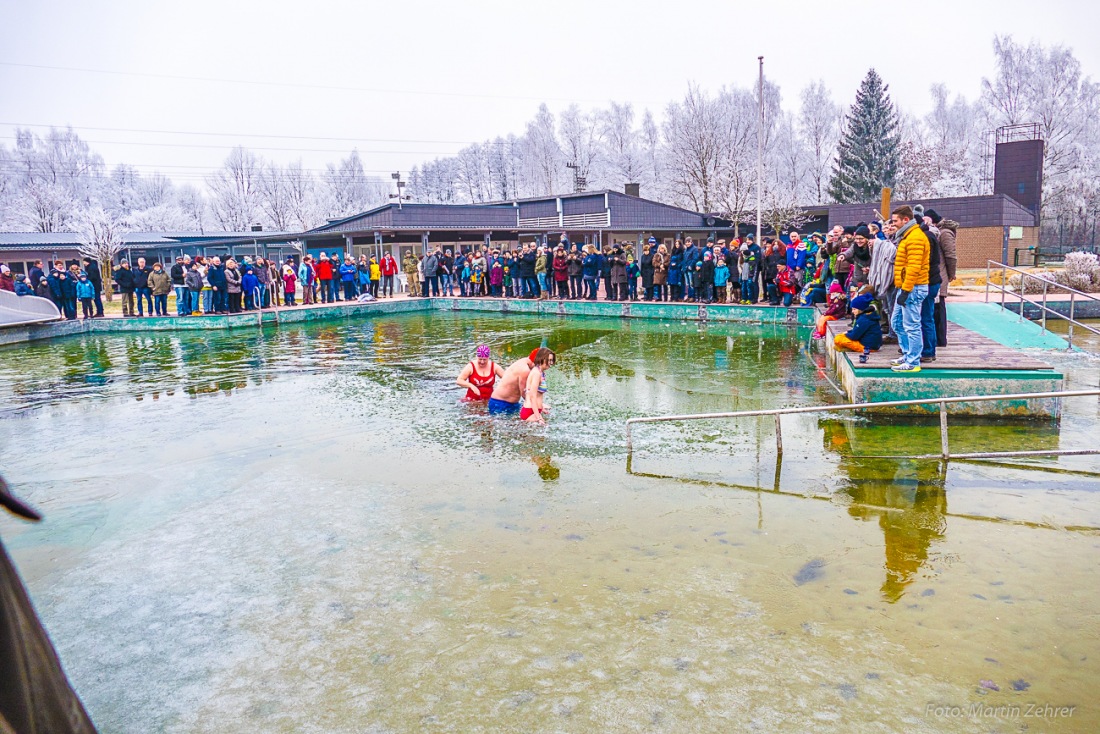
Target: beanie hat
<point x="652" y="240"/>
<point x="849" y="230"/>
<point x="836" y="287"/>
<point x="862" y="231"/>
<point x="931" y="214"/>
<point x="862" y="302"/>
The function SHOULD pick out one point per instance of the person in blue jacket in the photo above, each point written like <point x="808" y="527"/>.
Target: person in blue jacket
<point x="692" y="256"/>
<point x="85" y="292"/>
<point x="348" y="272"/>
<point x="590" y="269"/>
<point x="249" y="285"/>
<point x="676" y="273"/>
<point x="865" y="336"/>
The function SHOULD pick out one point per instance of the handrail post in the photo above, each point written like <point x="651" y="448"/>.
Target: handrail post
<point x="629" y="439"/>
<point x="1004" y="283"/>
<point x="1022" y="295"/>
<point x="1069" y="336"/>
<point x="778" y="435"/>
<point x="1044" y="305"/>
<point x="944" y="452"/>
<point x="987" y="263"/>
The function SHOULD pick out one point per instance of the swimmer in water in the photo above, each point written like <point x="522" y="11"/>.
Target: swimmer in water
<point x="509" y="388"/>
<point x="479" y="375"/>
<point x="535" y="386"/>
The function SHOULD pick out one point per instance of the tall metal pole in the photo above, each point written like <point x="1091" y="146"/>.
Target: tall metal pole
<point x="760" y="153"/>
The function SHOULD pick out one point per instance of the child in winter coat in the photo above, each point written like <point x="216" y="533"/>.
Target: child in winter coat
<point x="476" y="279"/>
<point x="866" y="333"/>
<point x="837" y="308"/>
<point x="249" y="286"/>
<point x="290" y="285"/>
<point x="507" y="281"/>
<point x="722" y="290"/>
<point x="85" y="291"/>
<point x="784" y="283"/>
<point x="22" y="287"/>
<point x="496" y="279"/>
<point x="43" y="289"/>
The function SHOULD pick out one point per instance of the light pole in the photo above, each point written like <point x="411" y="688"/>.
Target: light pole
<point x="760" y="152"/>
<point x="400" y="188"/>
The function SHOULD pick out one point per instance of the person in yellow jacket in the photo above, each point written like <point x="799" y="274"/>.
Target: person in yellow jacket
<point x="911" y="282"/>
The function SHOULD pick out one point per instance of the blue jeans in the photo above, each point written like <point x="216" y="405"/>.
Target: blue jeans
<point x="148" y="294"/>
<point x="905" y="321"/>
<point x="160" y="303"/>
<point x="928" y="322"/>
<point x="181" y="300"/>
<point x="445" y="285"/>
<point x="207" y="301"/>
<point x="542" y="282"/>
<point x="592" y="286"/>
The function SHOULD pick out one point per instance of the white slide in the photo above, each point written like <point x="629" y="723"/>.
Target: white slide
<point x="19" y="310"/>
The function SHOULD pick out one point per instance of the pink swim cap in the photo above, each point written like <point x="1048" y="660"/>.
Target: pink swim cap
<point x="483" y="351"/>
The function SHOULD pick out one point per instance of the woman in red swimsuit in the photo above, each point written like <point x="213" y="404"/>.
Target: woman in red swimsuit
<point x="480" y="375"/>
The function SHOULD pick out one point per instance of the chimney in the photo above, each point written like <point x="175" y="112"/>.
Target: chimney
<point x="257" y="227"/>
<point x="632" y="189"/>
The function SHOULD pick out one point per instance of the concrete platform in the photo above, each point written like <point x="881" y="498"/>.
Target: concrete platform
<point x="971" y="364"/>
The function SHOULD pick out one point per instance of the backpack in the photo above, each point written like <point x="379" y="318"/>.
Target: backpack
<point x="935" y="256"/>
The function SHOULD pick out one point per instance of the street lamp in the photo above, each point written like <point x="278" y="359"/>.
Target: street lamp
<point x="400" y="189"/>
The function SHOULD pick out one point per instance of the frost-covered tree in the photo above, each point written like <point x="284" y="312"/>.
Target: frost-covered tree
<point x="624" y="155"/>
<point x="867" y="155"/>
<point x="1048" y="86"/>
<point x="820" y="119"/>
<point x="235" y="191"/>
<point x="101" y="238"/>
<point x="347" y="189"/>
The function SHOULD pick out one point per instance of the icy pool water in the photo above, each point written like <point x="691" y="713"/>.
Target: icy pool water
<point x="301" y="529"/>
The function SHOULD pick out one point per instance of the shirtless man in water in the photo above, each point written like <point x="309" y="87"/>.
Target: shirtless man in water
<point x="509" y="388"/>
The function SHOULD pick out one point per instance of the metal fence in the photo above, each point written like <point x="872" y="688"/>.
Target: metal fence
<point x="1048" y="286"/>
<point x="945" y="454"/>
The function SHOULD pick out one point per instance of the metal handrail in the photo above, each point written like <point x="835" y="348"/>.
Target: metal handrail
<point x="1021" y="294"/>
<point x="944" y="454"/>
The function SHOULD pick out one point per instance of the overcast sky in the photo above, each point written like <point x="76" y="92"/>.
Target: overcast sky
<point x="406" y="81"/>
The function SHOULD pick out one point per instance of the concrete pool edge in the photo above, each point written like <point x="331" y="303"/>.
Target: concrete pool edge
<point x="719" y="313"/>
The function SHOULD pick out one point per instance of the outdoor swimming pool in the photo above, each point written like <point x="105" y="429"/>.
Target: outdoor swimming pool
<point x="300" y="529"/>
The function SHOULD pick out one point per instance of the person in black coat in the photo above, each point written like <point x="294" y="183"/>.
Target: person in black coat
<point x="215" y="276"/>
<point x="36" y="275"/>
<point x="646" y="266"/>
<point x="95" y="277"/>
<point x="124" y="278"/>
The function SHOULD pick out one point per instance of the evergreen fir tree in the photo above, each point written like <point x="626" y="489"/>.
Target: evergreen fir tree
<point x="867" y="155"/>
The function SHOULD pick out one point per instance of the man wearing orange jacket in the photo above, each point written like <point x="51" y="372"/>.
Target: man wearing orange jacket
<point x="911" y="282"/>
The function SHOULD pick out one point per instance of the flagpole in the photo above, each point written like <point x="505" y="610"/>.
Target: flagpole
<point x="760" y="152"/>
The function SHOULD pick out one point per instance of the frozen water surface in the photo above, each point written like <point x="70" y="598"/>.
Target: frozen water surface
<point x="302" y="530"/>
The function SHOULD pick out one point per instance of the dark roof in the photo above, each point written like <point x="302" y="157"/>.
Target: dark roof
<point x="995" y="210"/>
<point x="587" y="210"/>
<point x="39" y="240"/>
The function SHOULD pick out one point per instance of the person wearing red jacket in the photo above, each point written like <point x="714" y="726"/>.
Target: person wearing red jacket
<point x="389" y="270"/>
<point x="784" y="282"/>
<point x="324" y="275"/>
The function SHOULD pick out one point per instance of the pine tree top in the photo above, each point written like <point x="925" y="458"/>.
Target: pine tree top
<point x="867" y="155"/>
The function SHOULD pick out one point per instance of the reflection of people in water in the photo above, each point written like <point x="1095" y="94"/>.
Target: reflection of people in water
<point x="547" y="471"/>
<point x="535" y="388"/>
<point x="480" y="375"/>
<point x="910" y="502"/>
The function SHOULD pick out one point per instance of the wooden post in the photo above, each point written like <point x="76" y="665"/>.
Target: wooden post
<point x="778" y="434"/>
<point x="885" y="210"/>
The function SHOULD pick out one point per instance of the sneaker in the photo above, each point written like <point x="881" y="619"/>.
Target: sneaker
<point x="906" y="368"/>
<point x="895" y="362"/>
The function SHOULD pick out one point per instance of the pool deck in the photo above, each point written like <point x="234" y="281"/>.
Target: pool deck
<point x="717" y="313"/>
<point x="984" y="359"/>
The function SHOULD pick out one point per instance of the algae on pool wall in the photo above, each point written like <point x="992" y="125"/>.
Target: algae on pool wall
<point x="302" y="529"/>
